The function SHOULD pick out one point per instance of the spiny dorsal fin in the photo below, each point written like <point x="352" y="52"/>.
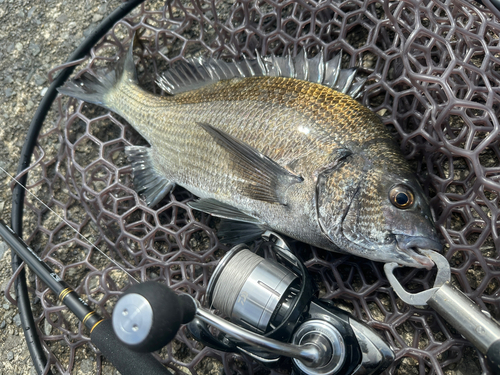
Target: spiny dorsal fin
<point x="198" y="72"/>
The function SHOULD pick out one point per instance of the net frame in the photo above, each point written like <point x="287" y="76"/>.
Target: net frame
<point x="433" y="79"/>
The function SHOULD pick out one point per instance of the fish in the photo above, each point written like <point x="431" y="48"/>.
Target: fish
<point x="272" y="143"/>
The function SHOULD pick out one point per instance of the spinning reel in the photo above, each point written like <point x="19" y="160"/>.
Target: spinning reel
<point x="273" y="314"/>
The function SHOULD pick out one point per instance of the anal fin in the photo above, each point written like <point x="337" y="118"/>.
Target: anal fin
<point x="237" y="231"/>
<point x="148" y="180"/>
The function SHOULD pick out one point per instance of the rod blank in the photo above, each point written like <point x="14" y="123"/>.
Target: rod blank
<point x="102" y="336"/>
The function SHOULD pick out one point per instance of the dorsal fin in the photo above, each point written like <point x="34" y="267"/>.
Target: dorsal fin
<point x="198" y="72"/>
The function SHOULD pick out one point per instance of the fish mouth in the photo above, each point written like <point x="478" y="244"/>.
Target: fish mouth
<point x="411" y="246"/>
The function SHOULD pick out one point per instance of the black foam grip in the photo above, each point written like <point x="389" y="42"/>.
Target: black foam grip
<point x="493" y="357"/>
<point x="169" y="312"/>
<point x="126" y="361"/>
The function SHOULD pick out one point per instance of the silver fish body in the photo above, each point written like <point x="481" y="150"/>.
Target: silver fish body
<point x="288" y="153"/>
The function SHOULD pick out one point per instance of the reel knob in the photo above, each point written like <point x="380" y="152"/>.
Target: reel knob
<point x="148" y="316"/>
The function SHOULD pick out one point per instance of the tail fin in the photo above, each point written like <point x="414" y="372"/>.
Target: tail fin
<point x="93" y="89"/>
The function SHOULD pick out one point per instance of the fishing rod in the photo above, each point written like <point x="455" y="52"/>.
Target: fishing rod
<point x="320" y="338"/>
<point x="273" y="304"/>
<point x="127" y="361"/>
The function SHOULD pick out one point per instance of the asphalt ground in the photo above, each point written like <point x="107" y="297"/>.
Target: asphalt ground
<point x="35" y="36"/>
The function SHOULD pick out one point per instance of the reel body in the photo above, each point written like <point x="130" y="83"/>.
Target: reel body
<point x="274" y="315"/>
<point x="275" y="298"/>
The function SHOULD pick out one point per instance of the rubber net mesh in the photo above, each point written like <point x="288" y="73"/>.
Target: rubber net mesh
<point x="433" y="72"/>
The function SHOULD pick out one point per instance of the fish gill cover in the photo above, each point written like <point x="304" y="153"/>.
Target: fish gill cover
<point x="432" y="72"/>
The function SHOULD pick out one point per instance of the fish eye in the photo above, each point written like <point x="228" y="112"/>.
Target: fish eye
<point x="401" y="196"/>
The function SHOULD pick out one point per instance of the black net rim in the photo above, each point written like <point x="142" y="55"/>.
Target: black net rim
<point x="33" y="341"/>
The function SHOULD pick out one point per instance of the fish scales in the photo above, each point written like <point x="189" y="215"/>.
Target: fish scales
<point x="283" y="153"/>
<point x="158" y="118"/>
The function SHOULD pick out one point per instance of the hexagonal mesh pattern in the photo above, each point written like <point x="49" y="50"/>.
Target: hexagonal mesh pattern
<point x="433" y="77"/>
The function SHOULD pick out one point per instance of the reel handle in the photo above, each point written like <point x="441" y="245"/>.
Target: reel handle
<point x="148" y="316"/>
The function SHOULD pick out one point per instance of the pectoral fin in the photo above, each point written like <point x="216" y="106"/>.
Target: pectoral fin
<point x="265" y="180"/>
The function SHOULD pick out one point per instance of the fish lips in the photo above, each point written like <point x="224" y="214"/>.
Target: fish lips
<point x="410" y="245"/>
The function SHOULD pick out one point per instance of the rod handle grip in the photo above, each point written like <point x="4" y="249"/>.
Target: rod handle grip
<point x="126" y="361"/>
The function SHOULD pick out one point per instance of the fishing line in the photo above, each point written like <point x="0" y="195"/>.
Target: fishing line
<point x="23" y="299"/>
<point x="232" y="279"/>
<point x="69" y="225"/>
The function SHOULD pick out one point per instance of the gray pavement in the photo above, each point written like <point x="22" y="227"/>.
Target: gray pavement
<point x="35" y="36"/>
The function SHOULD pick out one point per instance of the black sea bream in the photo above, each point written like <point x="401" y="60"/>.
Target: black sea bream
<point x="273" y="143"/>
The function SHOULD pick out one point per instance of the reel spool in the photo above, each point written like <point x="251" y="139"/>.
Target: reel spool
<point x="256" y="293"/>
